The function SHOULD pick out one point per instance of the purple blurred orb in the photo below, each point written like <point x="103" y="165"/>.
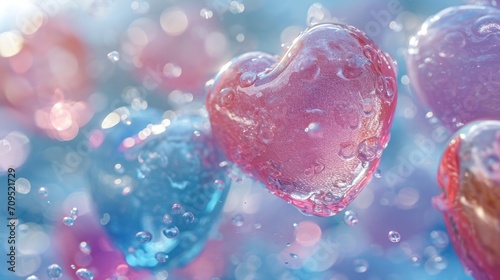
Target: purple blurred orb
<point x="454" y="64"/>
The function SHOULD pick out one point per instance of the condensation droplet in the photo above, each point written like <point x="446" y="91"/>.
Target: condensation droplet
<point x="171" y="231"/>
<point x="314" y="130"/>
<point x="54" y="271"/>
<point x="394" y="236"/>
<point x="226" y="96"/>
<point x="237" y="220"/>
<point x="114" y="56"/>
<point x="143" y="236"/>
<point x="347" y="150"/>
<point x="247" y="79"/>
<point x="167" y="219"/>
<point x="369" y="149"/>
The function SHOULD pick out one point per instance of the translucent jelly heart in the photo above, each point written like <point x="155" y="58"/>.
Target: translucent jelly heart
<point x="162" y="183"/>
<point x="454" y="64"/>
<point x="469" y="175"/>
<point x="311" y="125"/>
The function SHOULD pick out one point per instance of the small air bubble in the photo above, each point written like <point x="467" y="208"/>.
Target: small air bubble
<point x="143" y="236"/>
<point x="188" y="217"/>
<point x="68" y="221"/>
<point x="114" y="56"/>
<point x="43" y="192"/>
<point x="314" y="130"/>
<point x="85" y="248"/>
<point x="167" y="219"/>
<point x="176" y="208"/>
<point x="237" y="220"/>
<point x="161" y="257"/>
<point x="394" y="236"/>
<point x="84" y="274"/>
<point x="171" y="231"/>
<point x="350" y="218"/>
<point x="54" y="271"/>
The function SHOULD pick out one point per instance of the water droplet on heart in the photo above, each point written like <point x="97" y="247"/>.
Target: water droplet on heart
<point x="114" y="56"/>
<point x="143" y="236"/>
<point x="188" y="217"/>
<point x="309" y="69"/>
<point x="226" y="96"/>
<point x="68" y="221"/>
<point x="171" y="231"/>
<point x="247" y="79"/>
<point x="360" y="265"/>
<point x="84" y="274"/>
<point x="346" y="115"/>
<point x="176" y="208"/>
<point x="369" y="149"/>
<point x="369" y="105"/>
<point x="161" y="257"/>
<point x="85" y="248"/>
<point x="54" y="271"/>
<point x="350" y="218"/>
<point x="340" y="184"/>
<point x="347" y="150"/>
<point x="486" y="25"/>
<point x="237" y="220"/>
<point x="314" y="130"/>
<point x="353" y="68"/>
<point x="266" y="134"/>
<point x="394" y="236"/>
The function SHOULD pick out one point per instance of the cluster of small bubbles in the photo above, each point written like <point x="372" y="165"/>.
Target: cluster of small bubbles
<point x="439" y="238"/>
<point x="188" y="217"/>
<point x="294" y="256"/>
<point x="85" y="248"/>
<point x="237" y="220"/>
<point x="84" y="274"/>
<point x="32" y="277"/>
<point x="143" y="236"/>
<point x="73" y="213"/>
<point x="54" y="271"/>
<point x="114" y="56"/>
<point x="206" y="13"/>
<point x="378" y="174"/>
<point x="140" y="7"/>
<point x="68" y="221"/>
<point x="350" y="218"/>
<point x="171" y="231"/>
<point x="167" y="219"/>
<point x="161" y="257"/>
<point x="22" y="186"/>
<point x="360" y="265"/>
<point x="43" y="192"/>
<point x="176" y="208"/>
<point x="394" y="236"/>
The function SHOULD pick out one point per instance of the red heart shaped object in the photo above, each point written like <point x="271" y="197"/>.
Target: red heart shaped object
<point x="311" y="126"/>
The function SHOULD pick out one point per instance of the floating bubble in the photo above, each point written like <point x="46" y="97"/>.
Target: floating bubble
<point x="394" y="236"/>
<point x="84" y="274"/>
<point x="54" y="271"/>
<point x="143" y="236"/>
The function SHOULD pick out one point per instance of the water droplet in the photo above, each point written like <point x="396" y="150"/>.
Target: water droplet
<point x="439" y="238"/>
<point x="143" y="236"/>
<point x="247" y="79"/>
<point x="226" y="96"/>
<point x="32" y="277"/>
<point x="22" y="186"/>
<point x="54" y="271"/>
<point x="347" y="150"/>
<point x="394" y="236"/>
<point x="219" y="184"/>
<point x="171" y="231"/>
<point x="167" y="219"/>
<point x="188" y="217"/>
<point x="73" y="213"/>
<point x="68" y="221"/>
<point x="84" y="274"/>
<point x="266" y="134"/>
<point x="286" y="262"/>
<point x="294" y="256"/>
<point x="309" y="69"/>
<point x="314" y="130"/>
<point x="360" y="265"/>
<point x="161" y="257"/>
<point x="85" y="248"/>
<point x="176" y="208"/>
<point x="43" y="192"/>
<point x="369" y="149"/>
<point x="350" y="218"/>
<point x="288" y="244"/>
<point x="114" y="56"/>
<point x="237" y="220"/>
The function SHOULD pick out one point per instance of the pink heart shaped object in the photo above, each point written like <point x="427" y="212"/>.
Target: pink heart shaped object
<point x="311" y="126"/>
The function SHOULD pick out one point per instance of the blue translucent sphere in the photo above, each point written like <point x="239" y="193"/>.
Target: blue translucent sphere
<point x="160" y="178"/>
